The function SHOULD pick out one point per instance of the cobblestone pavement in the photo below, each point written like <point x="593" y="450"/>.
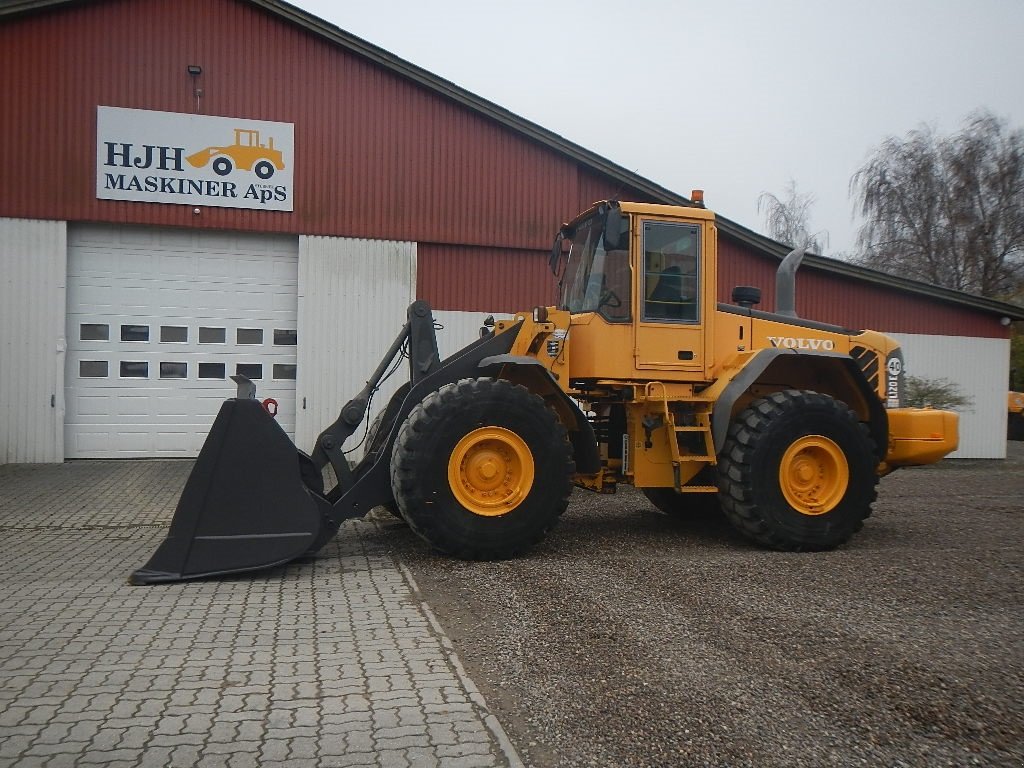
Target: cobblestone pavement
<point x="334" y="662"/>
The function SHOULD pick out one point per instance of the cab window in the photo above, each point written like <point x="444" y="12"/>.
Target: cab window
<point x="671" y="272"/>
<point x="598" y="278"/>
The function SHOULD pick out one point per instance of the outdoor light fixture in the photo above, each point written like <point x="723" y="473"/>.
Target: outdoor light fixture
<point x="194" y="71"/>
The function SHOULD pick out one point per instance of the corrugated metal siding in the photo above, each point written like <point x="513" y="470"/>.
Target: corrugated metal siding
<point x="377" y="156"/>
<point x="353" y="296"/>
<point x="980" y="368"/>
<point x="593" y="187"/>
<point x="853" y="304"/>
<point x="484" y="279"/>
<point x="33" y="279"/>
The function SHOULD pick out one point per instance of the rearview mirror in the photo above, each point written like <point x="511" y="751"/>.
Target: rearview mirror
<point x="612" y="227"/>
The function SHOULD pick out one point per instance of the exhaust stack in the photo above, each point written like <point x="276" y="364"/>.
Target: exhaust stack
<point x="785" y="283"/>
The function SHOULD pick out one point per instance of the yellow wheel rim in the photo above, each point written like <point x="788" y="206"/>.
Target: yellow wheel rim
<point x="814" y="475"/>
<point x="491" y="471"/>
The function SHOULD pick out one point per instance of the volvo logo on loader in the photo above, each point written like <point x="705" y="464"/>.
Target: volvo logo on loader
<point x="789" y="342"/>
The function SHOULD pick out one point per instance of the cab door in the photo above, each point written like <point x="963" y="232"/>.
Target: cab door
<point x="675" y="293"/>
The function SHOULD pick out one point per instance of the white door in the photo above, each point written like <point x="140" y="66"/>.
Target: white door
<point x="158" y="319"/>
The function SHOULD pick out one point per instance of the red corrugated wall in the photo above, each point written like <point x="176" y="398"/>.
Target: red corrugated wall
<point x="377" y="155"/>
<point x="483" y="279"/>
<point x="851" y="303"/>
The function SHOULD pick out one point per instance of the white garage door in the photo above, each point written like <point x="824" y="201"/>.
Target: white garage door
<point x="158" y="319"/>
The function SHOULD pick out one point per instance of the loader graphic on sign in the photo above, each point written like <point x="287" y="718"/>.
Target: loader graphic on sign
<point x="246" y="153"/>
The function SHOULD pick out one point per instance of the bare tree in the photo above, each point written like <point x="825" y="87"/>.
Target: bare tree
<point x="788" y="219"/>
<point x="935" y="393"/>
<point x="947" y="210"/>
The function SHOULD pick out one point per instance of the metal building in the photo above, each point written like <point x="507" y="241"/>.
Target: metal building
<point x="192" y="188"/>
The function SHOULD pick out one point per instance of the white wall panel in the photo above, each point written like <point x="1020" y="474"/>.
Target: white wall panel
<point x="981" y="368"/>
<point x="460" y="329"/>
<point x="33" y="269"/>
<point x="353" y="296"/>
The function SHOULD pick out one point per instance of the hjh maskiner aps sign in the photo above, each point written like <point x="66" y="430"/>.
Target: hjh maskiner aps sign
<point x="168" y="157"/>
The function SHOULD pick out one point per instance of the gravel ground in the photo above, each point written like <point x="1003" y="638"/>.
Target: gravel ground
<point x="630" y="639"/>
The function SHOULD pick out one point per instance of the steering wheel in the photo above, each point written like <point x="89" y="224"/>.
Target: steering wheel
<point x="609" y="299"/>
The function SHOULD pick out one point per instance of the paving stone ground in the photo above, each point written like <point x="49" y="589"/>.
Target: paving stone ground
<point x="333" y="662"/>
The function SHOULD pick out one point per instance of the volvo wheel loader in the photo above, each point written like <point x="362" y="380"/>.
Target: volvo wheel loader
<point x="637" y="376"/>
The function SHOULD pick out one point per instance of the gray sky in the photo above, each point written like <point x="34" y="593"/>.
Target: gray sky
<point x="732" y="96"/>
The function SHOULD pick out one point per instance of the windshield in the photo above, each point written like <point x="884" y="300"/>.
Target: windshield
<point x="597" y="279"/>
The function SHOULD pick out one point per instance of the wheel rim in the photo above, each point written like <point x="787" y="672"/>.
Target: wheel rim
<point x="814" y="475"/>
<point x="491" y="471"/>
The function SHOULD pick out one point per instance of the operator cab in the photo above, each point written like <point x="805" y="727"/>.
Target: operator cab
<point x="658" y="319"/>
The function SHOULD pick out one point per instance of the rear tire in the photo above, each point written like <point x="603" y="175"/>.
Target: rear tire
<point x="797" y="472"/>
<point x="482" y="469"/>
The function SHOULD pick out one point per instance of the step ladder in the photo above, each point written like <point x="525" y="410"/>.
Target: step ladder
<point x="702" y="412"/>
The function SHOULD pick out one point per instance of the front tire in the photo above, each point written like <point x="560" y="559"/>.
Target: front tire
<point x="482" y="469"/>
<point x="797" y="472"/>
<point x="371" y="433"/>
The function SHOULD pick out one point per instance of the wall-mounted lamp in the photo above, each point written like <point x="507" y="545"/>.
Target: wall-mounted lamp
<point x="194" y="71"/>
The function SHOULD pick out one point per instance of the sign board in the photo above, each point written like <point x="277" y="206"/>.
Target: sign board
<point x="169" y="157"/>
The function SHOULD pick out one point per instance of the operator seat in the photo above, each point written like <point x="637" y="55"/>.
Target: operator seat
<point x="666" y="300"/>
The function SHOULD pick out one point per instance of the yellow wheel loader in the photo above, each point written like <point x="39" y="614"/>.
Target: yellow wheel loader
<point x="1015" y="416"/>
<point x="638" y="376"/>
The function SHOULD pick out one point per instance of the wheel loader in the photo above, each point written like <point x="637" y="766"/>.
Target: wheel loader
<point x="637" y="376"/>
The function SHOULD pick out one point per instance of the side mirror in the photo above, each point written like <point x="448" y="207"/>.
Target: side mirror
<point x="565" y="232"/>
<point x="556" y="252"/>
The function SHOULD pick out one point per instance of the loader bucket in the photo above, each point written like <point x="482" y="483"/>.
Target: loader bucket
<point x="244" y="506"/>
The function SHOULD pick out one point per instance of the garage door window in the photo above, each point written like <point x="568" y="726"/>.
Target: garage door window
<point x="134" y="333"/>
<point x="94" y="332"/>
<point x="284" y="371"/>
<point x="211" y="370"/>
<point x="173" y="370"/>
<point x="173" y="334"/>
<point x="134" y="369"/>
<point x="252" y="371"/>
<point x="249" y="335"/>
<point x="285" y="338"/>
<point x="92" y="369"/>
<point x="209" y="335"/>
